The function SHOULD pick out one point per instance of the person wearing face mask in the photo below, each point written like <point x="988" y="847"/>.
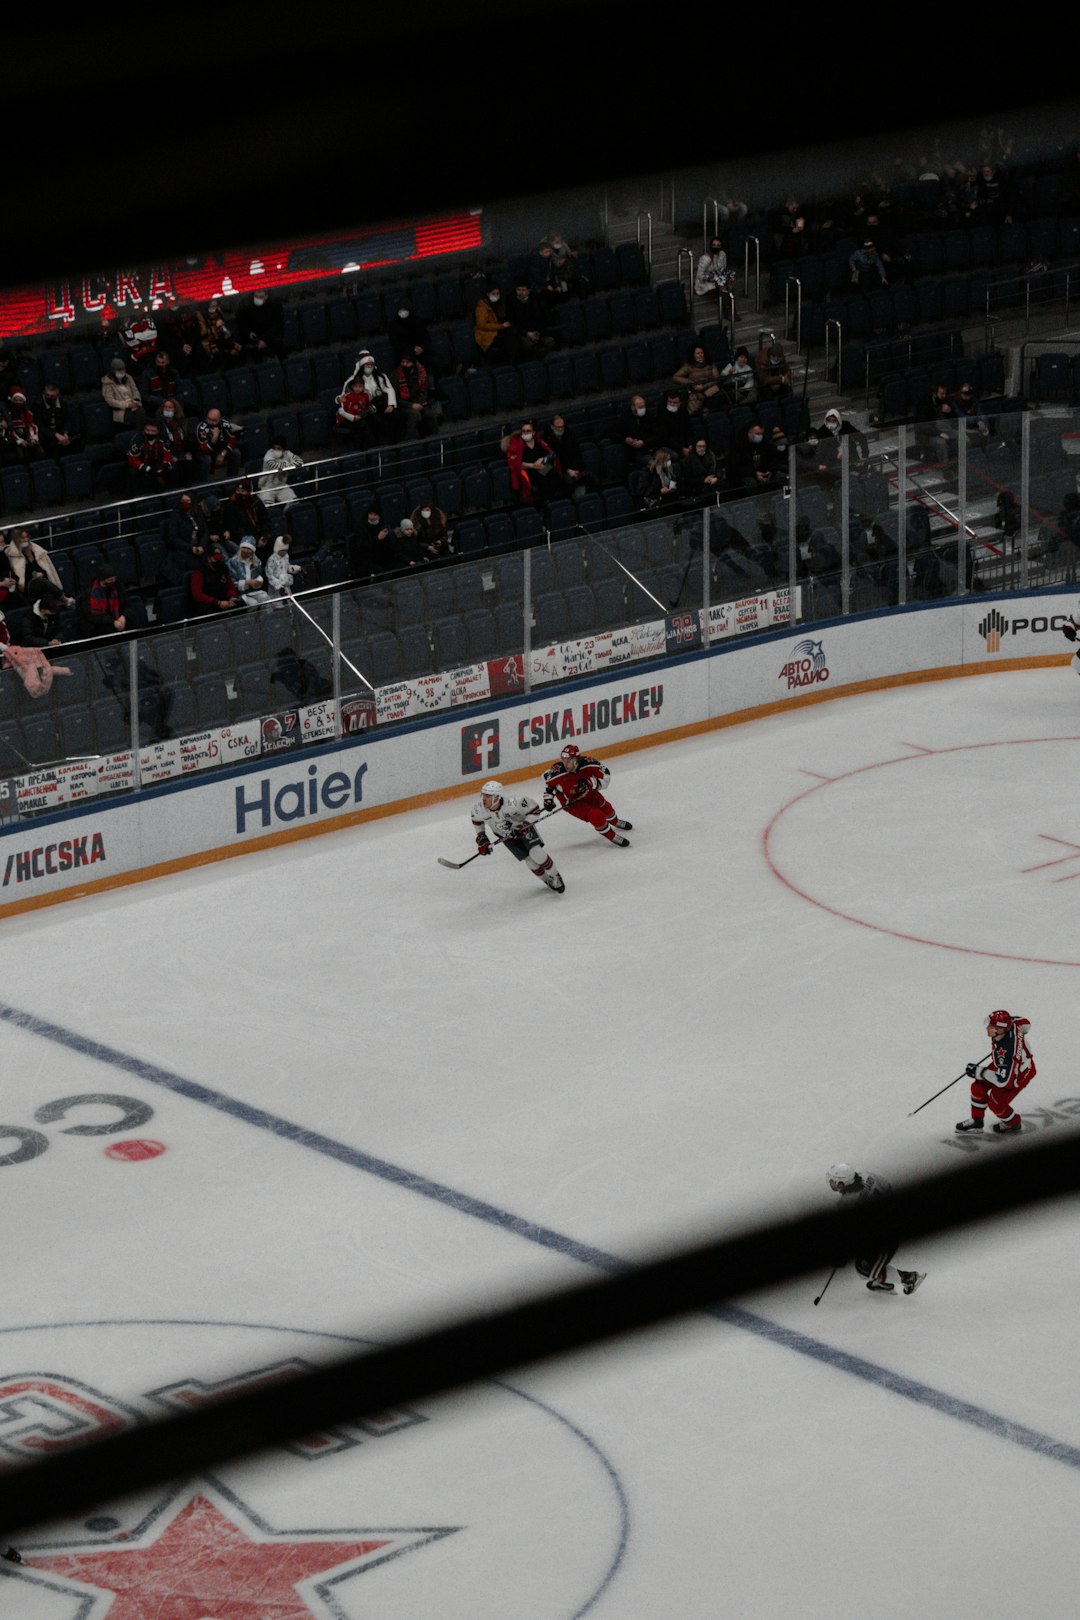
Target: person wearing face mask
<point x="278" y="462"/>
<point x="139" y="336"/>
<point x="175" y="433"/>
<point x="419" y="411"/>
<point x="773" y="372"/>
<point x="218" y="341"/>
<point x="432" y="531"/>
<point x="639" y="430"/>
<point x="497" y="340"/>
<point x="712" y="277"/>
<point x="407" y="333"/>
<point x="178" y="328"/>
<point x="564" y="441"/>
<point x="677" y="428"/>
<point x="535" y="470"/>
<point x="367" y="379"/>
<point x="753" y="462"/>
<point x="121" y="394"/>
<point x="661" y="481"/>
<point x="531" y="320"/>
<point x="261" y="325"/>
<point x="187" y="536"/>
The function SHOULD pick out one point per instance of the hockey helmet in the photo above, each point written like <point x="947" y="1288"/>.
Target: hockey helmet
<point x="571" y="752"/>
<point x="1000" y="1017"/>
<point x="492" y="790"/>
<point x="841" y="1177"/>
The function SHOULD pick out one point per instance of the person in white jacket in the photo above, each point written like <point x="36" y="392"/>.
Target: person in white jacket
<point x="247" y="574"/>
<point x="278" y="462"/>
<point x="280" y="572"/>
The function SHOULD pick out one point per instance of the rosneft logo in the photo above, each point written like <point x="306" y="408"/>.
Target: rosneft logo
<point x="993" y="627"/>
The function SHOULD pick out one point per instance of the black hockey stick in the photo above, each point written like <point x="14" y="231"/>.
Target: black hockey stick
<point x="455" y="866"/>
<point x="828" y="1280"/>
<point x="949" y="1087"/>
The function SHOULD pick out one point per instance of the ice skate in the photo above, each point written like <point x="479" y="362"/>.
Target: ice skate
<point x="618" y="840"/>
<point x="554" y="881"/>
<point x="1003" y="1129"/>
<point x="12" y="1556"/>
<point x="969" y="1124"/>
<point x="878" y="1285"/>
<point x="911" y="1280"/>
<point x="624" y="826"/>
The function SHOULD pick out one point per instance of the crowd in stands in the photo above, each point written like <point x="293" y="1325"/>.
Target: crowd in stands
<point x="241" y="393"/>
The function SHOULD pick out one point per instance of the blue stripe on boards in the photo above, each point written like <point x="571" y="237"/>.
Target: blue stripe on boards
<point x="911" y="1389"/>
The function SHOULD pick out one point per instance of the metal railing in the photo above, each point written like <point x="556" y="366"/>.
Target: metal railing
<point x="752" y="240"/>
<point x="793" y="281"/>
<point x="834" y="321"/>
<point x="644" y="215"/>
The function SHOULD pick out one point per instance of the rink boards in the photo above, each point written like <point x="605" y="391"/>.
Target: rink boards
<point x="258" y="804"/>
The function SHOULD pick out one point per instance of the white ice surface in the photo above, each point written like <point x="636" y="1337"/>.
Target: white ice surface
<point x="801" y="945"/>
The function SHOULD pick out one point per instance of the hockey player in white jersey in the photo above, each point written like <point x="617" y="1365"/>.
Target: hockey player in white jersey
<point x="876" y="1268"/>
<point x="509" y="819"/>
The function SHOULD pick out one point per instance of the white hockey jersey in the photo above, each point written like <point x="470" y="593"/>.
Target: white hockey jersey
<point x="516" y="813"/>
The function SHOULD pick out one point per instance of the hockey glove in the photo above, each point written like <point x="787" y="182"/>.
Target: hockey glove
<point x="972" y="1071"/>
<point x="549" y="802"/>
<point x="483" y="847"/>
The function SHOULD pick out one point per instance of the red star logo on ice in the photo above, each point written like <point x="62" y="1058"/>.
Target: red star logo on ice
<point x="203" y="1567"/>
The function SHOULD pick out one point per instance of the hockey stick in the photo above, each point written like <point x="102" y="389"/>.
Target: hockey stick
<point x="828" y="1280"/>
<point x="455" y="866"/>
<point x="944" y="1089"/>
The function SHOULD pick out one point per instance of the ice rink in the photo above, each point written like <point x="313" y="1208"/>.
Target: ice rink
<point x="339" y="1090"/>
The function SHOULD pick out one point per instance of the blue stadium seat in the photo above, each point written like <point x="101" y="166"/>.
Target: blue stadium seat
<point x="480" y="391"/>
<point x="78" y="477"/>
<point x="481" y="636"/>
<point x="341" y="320"/>
<point x="14" y="490"/>
<point x="586" y="373"/>
<point x="498" y="530"/>
<point x="393" y="503"/>
<point x="243" y="393"/>
<point x="299" y="378"/>
<point x="270" y="381"/>
<point x="570" y="321"/>
<point x="449" y="298"/>
<point x="469" y="537"/>
<point x="551" y="619"/>
<point x="314" y="326"/>
<point x="416" y="654"/>
<point x="303" y="525"/>
<point x="560" y="378"/>
<point x="507" y="388"/>
<point x="85" y="367"/>
<point x="528" y="527"/>
<point x="46" y="488"/>
<point x="633" y="266"/>
<point x="647" y="311"/>
<point x="283" y="425"/>
<point x="451" y="643"/>
<point x="314" y="424"/>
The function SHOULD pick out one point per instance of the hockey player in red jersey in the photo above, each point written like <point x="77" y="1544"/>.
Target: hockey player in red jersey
<point x="512" y="820"/>
<point x="573" y="783"/>
<point x="997" y="1082"/>
<point x="876" y="1268"/>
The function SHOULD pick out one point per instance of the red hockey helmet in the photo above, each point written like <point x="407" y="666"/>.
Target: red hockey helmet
<point x="571" y="751"/>
<point x="1000" y="1017"/>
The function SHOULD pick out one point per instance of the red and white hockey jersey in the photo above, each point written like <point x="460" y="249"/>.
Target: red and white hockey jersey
<point x="569" y="785"/>
<point x="515" y="815"/>
<point x="1011" y="1063"/>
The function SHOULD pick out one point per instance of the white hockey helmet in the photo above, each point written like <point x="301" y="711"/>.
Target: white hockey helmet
<point x="493" y="790"/>
<point x="841" y="1177"/>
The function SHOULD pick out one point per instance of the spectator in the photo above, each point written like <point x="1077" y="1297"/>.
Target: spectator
<point x="278" y="462"/>
<point x="753" y="465"/>
<point x="712" y="278"/>
<point x="418" y="410"/>
<point x="702" y="378"/>
<point x="407" y="334"/>
<point x="247" y="575"/>
<point x="773" y="373"/>
<point x="210" y="586"/>
<point x="554" y="275"/>
<point x="149" y="459"/>
<point x="187" y="536"/>
<point x="676" y="429"/>
<point x="895" y="256"/>
<point x="382" y="395"/>
<point x="535" y="469"/>
<point x="174" y="433"/>
<point x="57" y="424"/>
<point x="661" y="479"/>
<point x="139" y="336"/>
<point x="406" y="544"/>
<point x="216" y="441"/>
<point x="700" y="471"/>
<point x="121" y="394"/>
<point x="23" y="429"/>
<point x="261" y="324"/>
<point x="220" y="346"/>
<point x="567" y="263"/>
<point x="866" y="260"/>
<point x="993" y="206"/>
<point x="497" y="341"/>
<point x="739" y="379"/>
<point x="32" y="568"/>
<point x="99" y="610"/>
<point x="935" y="425"/>
<point x="41" y="627"/>
<point x="432" y="531"/>
<point x="9" y="450"/>
<point x="221" y="519"/>
<point x="638" y="430"/>
<point x="373" y="547"/>
<point x="280" y="571"/>
<point x="730" y="208"/>
<point x="969" y="411"/>
<point x="160" y="380"/>
<point x="32" y="668"/>
<point x="790" y="230"/>
<point x="354" y="423"/>
<point x="530" y="320"/>
<point x="180" y="334"/>
<point x="564" y="441"/>
<point x="832" y="430"/>
<point x="109" y="344"/>
<point x="249" y="515"/>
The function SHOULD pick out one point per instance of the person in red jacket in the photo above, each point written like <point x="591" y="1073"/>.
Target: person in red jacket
<point x="535" y="470"/>
<point x="998" y="1080"/>
<point x="573" y="784"/>
<point x="210" y="587"/>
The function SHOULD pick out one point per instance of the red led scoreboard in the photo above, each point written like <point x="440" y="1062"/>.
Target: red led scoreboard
<point x="72" y="300"/>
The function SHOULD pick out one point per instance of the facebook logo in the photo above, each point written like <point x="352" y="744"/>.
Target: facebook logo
<point x="479" y="747"/>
